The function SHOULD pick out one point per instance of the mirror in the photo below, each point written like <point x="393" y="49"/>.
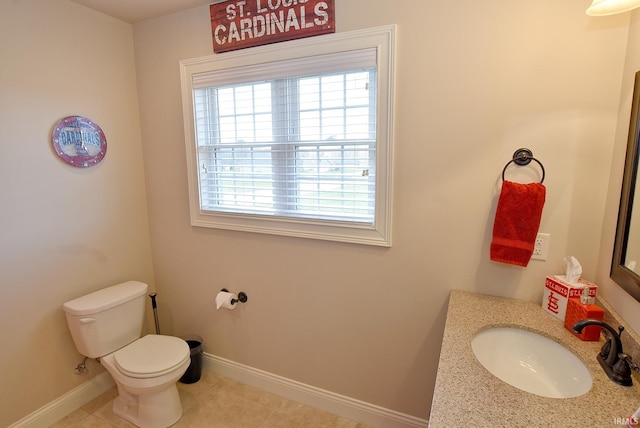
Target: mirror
<point x="625" y="266"/>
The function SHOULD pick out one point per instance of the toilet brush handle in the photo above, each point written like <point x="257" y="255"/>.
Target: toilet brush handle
<point x="155" y="311"/>
<point x="153" y="300"/>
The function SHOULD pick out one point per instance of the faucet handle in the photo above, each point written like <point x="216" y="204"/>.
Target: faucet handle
<point x="627" y="359"/>
<point x="621" y="370"/>
<point x="606" y="347"/>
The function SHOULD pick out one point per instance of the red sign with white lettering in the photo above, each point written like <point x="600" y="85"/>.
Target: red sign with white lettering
<point x="239" y="24"/>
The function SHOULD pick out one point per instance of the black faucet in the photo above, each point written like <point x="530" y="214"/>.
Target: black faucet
<point x="616" y="364"/>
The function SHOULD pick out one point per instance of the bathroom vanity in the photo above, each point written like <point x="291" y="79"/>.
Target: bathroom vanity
<point x="467" y="394"/>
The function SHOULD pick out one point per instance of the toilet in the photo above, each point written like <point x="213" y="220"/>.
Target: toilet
<point x="107" y="325"/>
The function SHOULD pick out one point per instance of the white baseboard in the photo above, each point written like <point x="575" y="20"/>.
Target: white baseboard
<point x="356" y="410"/>
<point x="67" y="403"/>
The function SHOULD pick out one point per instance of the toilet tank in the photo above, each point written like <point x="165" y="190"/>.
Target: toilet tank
<point x="108" y="319"/>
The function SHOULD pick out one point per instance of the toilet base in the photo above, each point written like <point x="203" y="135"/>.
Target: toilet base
<point x="158" y="409"/>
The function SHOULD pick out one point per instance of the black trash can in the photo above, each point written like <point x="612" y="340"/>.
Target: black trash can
<point x="194" y="371"/>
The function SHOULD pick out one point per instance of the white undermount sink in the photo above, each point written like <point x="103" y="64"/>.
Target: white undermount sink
<point x="531" y="362"/>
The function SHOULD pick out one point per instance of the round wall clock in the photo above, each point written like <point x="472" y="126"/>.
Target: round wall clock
<point x="79" y="141"/>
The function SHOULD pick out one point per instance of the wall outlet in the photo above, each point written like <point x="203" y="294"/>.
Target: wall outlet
<point x="541" y="247"/>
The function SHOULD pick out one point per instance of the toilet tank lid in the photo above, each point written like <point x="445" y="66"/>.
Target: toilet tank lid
<point x="106" y="298"/>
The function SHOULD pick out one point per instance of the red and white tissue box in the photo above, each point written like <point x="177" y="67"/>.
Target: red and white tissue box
<point x="557" y="292"/>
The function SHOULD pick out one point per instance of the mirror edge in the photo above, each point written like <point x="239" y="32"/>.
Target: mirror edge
<point x="623" y="276"/>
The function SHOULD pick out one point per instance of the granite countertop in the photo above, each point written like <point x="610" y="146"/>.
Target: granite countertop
<point x="466" y="394"/>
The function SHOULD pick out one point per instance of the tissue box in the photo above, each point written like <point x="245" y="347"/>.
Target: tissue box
<point x="557" y="293"/>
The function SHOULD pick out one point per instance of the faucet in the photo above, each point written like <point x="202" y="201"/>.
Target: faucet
<point x="616" y="364"/>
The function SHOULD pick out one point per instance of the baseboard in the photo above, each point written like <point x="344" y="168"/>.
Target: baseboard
<point x="67" y="403"/>
<point x="356" y="410"/>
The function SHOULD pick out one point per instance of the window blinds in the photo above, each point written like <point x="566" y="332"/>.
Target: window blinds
<point x="294" y="138"/>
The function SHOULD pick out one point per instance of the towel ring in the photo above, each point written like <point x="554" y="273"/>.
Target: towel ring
<point x="523" y="157"/>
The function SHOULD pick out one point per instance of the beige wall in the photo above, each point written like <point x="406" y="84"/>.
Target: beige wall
<point x="475" y="81"/>
<point x="63" y="231"/>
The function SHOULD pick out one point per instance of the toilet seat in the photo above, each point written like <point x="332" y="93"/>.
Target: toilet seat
<point x="151" y="356"/>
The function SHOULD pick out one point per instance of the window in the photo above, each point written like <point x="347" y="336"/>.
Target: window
<point x="293" y="141"/>
<point x="301" y="147"/>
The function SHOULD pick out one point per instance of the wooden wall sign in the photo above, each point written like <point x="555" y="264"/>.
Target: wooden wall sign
<point x="239" y="24"/>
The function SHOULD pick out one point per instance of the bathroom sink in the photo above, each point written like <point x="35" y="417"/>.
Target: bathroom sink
<point x="531" y="362"/>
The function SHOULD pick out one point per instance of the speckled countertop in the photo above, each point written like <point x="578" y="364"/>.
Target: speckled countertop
<point x="466" y="394"/>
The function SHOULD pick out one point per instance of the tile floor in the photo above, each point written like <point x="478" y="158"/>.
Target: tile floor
<point x="213" y="402"/>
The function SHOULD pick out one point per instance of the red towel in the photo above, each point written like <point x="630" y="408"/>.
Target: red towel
<point x="517" y="221"/>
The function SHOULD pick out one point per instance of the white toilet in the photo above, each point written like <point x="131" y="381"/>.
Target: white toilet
<point x="107" y="324"/>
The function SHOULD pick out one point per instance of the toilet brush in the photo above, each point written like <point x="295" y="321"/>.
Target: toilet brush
<point x="155" y="311"/>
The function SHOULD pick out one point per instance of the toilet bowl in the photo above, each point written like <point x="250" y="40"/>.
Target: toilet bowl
<point x="146" y="372"/>
<point x="106" y="325"/>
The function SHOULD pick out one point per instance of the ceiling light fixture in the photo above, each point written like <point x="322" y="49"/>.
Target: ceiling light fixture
<point x="611" y="7"/>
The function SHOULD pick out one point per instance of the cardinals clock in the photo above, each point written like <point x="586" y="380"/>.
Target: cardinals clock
<point x="79" y="141"/>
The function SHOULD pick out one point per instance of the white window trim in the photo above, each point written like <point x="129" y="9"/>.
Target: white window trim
<point x="380" y="38"/>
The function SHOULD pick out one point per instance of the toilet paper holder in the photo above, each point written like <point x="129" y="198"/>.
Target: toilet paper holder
<point x="242" y="297"/>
